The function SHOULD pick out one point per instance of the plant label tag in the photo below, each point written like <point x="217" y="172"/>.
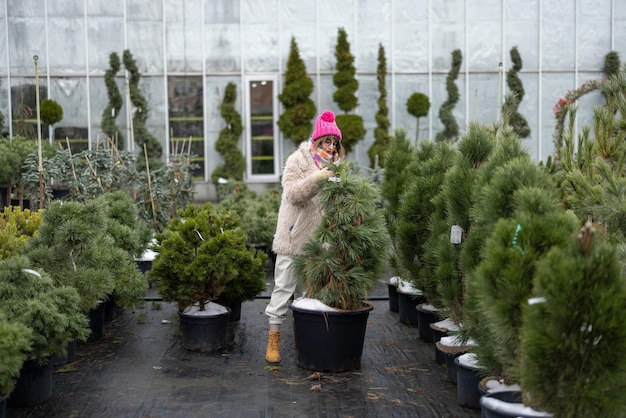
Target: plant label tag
<point x="334" y="179"/>
<point x="456" y="233"/>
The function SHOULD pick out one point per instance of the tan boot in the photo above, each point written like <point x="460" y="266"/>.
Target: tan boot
<point x="272" y="355"/>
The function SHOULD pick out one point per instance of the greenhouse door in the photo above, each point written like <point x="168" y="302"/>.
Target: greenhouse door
<point x="262" y="132"/>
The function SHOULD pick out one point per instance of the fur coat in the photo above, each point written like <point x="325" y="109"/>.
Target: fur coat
<point x="299" y="212"/>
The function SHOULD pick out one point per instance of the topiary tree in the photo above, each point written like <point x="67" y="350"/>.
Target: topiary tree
<point x="50" y="112"/>
<point x="382" y="140"/>
<point x="295" y="121"/>
<point x="450" y="127"/>
<point x="234" y="163"/>
<point x="351" y="126"/>
<point x="109" y="114"/>
<point x="612" y="63"/>
<point x="142" y="136"/>
<point x="418" y="105"/>
<point x="517" y="121"/>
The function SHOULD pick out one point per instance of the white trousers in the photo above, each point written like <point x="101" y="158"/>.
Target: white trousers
<point x="284" y="287"/>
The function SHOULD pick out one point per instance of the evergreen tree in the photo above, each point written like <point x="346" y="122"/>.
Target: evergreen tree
<point x="141" y="134"/>
<point x="456" y="199"/>
<point x="517" y="121"/>
<point x="346" y="254"/>
<point x="234" y="163"/>
<point x="417" y="205"/>
<point x="351" y="126"/>
<point x="418" y="105"/>
<point x="450" y="126"/>
<point x="110" y="113"/>
<point x="573" y="337"/>
<point x="400" y="156"/>
<point x="530" y="220"/>
<point x="591" y="170"/>
<point x="295" y="121"/>
<point x="382" y="140"/>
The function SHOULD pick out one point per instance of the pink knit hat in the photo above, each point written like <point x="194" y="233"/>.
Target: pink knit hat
<point x="325" y="125"/>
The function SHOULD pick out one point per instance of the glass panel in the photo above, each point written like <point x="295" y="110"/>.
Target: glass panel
<point x="262" y="126"/>
<point x="186" y="119"/>
<point x="71" y="94"/>
<point x="23" y="104"/>
<point x="67" y="44"/>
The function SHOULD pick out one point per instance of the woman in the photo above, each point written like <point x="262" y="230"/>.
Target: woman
<point x="298" y="216"/>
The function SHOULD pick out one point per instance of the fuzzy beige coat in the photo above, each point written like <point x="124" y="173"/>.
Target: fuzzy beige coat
<point x="300" y="211"/>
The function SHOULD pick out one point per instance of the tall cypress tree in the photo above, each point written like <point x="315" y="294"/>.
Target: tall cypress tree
<point x="450" y="126"/>
<point x="141" y="134"/>
<point x="382" y="139"/>
<point x="517" y="121"/>
<point x="352" y="127"/>
<point x="234" y="163"/>
<point x="295" y="121"/>
<point x="109" y="114"/>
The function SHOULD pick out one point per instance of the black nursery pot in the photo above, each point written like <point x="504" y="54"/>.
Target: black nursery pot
<point x="406" y="305"/>
<point x="494" y="405"/>
<point x="96" y="321"/>
<point x="329" y="341"/>
<point x="204" y="333"/>
<point x="34" y="385"/>
<point x="393" y="297"/>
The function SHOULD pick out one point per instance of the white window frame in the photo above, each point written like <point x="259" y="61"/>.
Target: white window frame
<point x="261" y="178"/>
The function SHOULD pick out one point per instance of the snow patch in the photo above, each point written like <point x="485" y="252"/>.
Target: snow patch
<point x="210" y="309"/>
<point x="448" y="324"/>
<point x="455" y="341"/>
<point x="312" y="305"/>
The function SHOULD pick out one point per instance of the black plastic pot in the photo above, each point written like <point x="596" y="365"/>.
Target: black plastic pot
<point x="406" y="305"/>
<point x="96" y="322"/>
<point x="329" y="341"/>
<point x="496" y="405"/>
<point x="3" y="405"/>
<point x="70" y="357"/>
<point x="33" y="386"/>
<point x="440" y="358"/>
<point x="204" y="333"/>
<point x="467" y="383"/>
<point x="426" y="317"/>
<point x="235" y="309"/>
<point x="393" y="297"/>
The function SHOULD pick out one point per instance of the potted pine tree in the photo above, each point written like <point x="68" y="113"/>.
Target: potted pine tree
<point x="51" y="313"/>
<point x="342" y="262"/>
<point x="574" y="331"/>
<point x="75" y="246"/>
<point x="14" y="346"/>
<point x="502" y="283"/>
<point x="201" y="254"/>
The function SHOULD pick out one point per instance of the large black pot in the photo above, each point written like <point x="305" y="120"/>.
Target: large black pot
<point x="329" y="341"/>
<point x="3" y="405"/>
<point x="204" y="333"/>
<point x="96" y="321"/>
<point x="393" y="297"/>
<point x="407" y="303"/>
<point x="425" y="317"/>
<point x="33" y="386"/>
<point x="502" y="405"/>
<point x="467" y="383"/>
